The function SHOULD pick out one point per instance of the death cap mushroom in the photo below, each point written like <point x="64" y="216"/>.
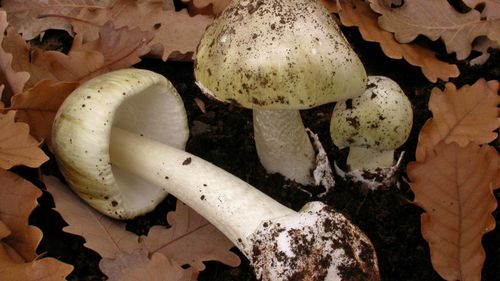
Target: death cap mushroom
<point x="277" y="54"/>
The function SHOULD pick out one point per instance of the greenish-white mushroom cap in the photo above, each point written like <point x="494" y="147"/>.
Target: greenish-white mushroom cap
<point x="380" y="118"/>
<point x="139" y="101"/>
<point x="277" y="55"/>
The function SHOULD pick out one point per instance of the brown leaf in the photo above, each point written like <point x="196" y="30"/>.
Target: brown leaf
<point x="186" y="241"/>
<point x="482" y="45"/>
<point x="454" y="187"/>
<point x="17" y="201"/>
<point x="12" y="80"/>
<point x="115" y="49"/>
<point x="468" y="114"/>
<point x="137" y="266"/>
<point x="180" y="32"/>
<point x="173" y="31"/>
<point x="215" y="6"/>
<point x="491" y="7"/>
<point x="38" y="106"/>
<point x="436" y="19"/>
<point x="46" y="269"/>
<point x="19" y="240"/>
<point x="21" y="61"/>
<point x="30" y="18"/>
<point x="120" y="47"/>
<point x="17" y="147"/>
<point x="358" y="13"/>
<point x="103" y="235"/>
<point x="190" y="240"/>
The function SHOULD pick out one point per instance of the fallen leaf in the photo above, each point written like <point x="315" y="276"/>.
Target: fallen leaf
<point x="19" y="240"/>
<point x="14" y="44"/>
<point x="115" y="49"/>
<point x="469" y="114"/>
<point x="105" y="236"/>
<point x="491" y="7"/>
<point x="138" y="266"/>
<point x="186" y="240"/>
<point x="120" y="47"/>
<point x="358" y="13"/>
<point x="17" y="201"/>
<point x="482" y="45"/>
<point x="46" y="269"/>
<point x="180" y="32"/>
<point x="215" y="6"/>
<point x="30" y="18"/>
<point x="174" y="31"/>
<point x="190" y="240"/>
<point x="12" y="80"/>
<point x="38" y="106"/>
<point x="436" y="19"/>
<point x="454" y="187"/>
<point x="17" y="147"/>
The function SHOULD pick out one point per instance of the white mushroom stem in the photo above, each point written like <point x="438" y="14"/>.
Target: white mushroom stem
<point x="316" y="243"/>
<point x="232" y="205"/>
<point x="283" y="144"/>
<point x="364" y="158"/>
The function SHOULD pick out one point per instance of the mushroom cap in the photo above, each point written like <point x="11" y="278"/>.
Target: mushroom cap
<point x="277" y="54"/>
<point x="139" y="101"/>
<point x="381" y="118"/>
<point x="317" y="243"/>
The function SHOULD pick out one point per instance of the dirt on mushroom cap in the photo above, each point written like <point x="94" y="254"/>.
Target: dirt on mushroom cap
<point x="277" y="54"/>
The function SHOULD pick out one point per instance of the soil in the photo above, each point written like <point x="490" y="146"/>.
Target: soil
<point x="223" y="136"/>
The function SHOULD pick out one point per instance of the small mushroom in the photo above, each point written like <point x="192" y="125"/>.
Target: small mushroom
<point x="105" y="151"/>
<point x="373" y="126"/>
<point x="278" y="57"/>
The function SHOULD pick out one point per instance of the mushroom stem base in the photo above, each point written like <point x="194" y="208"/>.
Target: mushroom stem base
<point x="230" y="204"/>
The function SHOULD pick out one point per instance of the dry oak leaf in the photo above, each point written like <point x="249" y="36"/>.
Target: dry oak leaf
<point x="115" y="49"/>
<point x="31" y="18"/>
<point x="469" y="114"/>
<point x="137" y="266"/>
<point x="454" y="187"/>
<point x="18" y="240"/>
<point x="173" y="31"/>
<point x="358" y="13"/>
<point x="491" y="7"/>
<point x="179" y="32"/>
<point x="38" y="106"/>
<point x="186" y="240"/>
<point x="17" y="201"/>
<point x="17" y="147"/>
<point x="22" y="58"/>
<point x="105" y="236"/>
<point x="119" y="248"/>
<point x="482" y="45"/>
<point x="215" y="6"/>
<point x="12" y="80"/>
<point x="436" y="19"/>
<point x="110" y="239"/>
<point x="46" y="269"/>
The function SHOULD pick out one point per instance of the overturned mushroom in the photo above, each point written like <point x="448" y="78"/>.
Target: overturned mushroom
<point x="278" y="57"/>
<point x="373" y="126"/>
<point x="316" y="243"/>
